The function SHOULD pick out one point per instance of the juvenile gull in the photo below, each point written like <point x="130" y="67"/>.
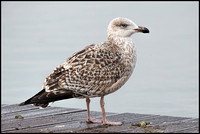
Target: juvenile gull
<point x="95" y="71"/>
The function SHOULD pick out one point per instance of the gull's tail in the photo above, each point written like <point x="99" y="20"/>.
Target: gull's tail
<point x="43" y="98"/>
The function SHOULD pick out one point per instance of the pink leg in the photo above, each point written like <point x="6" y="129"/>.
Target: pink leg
<point x="105" y="122"/>
<point x="90" y="120"/>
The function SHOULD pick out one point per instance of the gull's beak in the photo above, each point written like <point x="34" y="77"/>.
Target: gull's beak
<point x="142" y="29"/>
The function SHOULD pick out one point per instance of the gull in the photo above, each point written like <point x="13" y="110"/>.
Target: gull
<point x="95" y="71"/>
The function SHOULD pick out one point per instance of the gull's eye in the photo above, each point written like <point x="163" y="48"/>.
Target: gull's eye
<point x="124" y="25"/>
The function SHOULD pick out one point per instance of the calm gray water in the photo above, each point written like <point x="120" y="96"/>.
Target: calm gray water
<point x="39" y="36"/>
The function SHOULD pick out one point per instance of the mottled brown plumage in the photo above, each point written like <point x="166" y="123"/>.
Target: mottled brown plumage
<point x="95" y="71"/>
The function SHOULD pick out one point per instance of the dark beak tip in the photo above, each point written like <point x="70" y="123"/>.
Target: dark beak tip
<point x="145" y="30"/>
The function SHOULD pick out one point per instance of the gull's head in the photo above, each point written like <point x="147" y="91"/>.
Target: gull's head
<point x="123" y="27"/>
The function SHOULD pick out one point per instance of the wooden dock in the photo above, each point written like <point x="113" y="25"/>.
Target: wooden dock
<point x="29" y="119"/>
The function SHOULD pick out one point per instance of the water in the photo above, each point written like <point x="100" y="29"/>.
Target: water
<point x="39" y="36"/>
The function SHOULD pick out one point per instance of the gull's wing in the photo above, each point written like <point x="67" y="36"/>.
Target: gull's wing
<point x="87" y="73"/>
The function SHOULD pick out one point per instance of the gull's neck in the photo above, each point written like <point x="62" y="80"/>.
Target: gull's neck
<point x="124" y="42"/>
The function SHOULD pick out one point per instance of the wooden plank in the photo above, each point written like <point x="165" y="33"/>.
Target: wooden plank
<point x="32" y="113"/>
<point x="50" y="115"/>
<point x="181" y="126"/>
<point x="37" y="121"/>
<point x="129" y="119"/>
<point x="3" y="105"/>
<point x="66" y="126"/>
<point x="62" y="120"/>
<point x="188" y="130"/>
<point x="51" y="122"/>
<point x="155" y="124"/>
<point x="123" y="117"/>
<point x="14" y="108"/>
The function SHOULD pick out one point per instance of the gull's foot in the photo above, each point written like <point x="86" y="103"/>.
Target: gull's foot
<point x="112" y="123"/>
<point x="93" y="120"/>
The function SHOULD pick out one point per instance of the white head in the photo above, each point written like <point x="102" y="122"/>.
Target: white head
<point x="123" y="27"/>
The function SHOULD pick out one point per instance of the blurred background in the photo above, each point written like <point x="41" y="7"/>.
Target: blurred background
<point x="36" y="37"/>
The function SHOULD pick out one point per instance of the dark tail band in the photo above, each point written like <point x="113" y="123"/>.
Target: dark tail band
<point x="43" y="98"/>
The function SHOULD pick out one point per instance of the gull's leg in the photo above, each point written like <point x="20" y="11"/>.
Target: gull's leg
<point x="90" y="120"/>
<point x="88" y="109"/>
<point x="105" y="122"/>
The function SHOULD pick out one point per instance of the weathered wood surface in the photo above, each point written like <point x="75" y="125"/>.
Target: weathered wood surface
<point x="62" y="120"/>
